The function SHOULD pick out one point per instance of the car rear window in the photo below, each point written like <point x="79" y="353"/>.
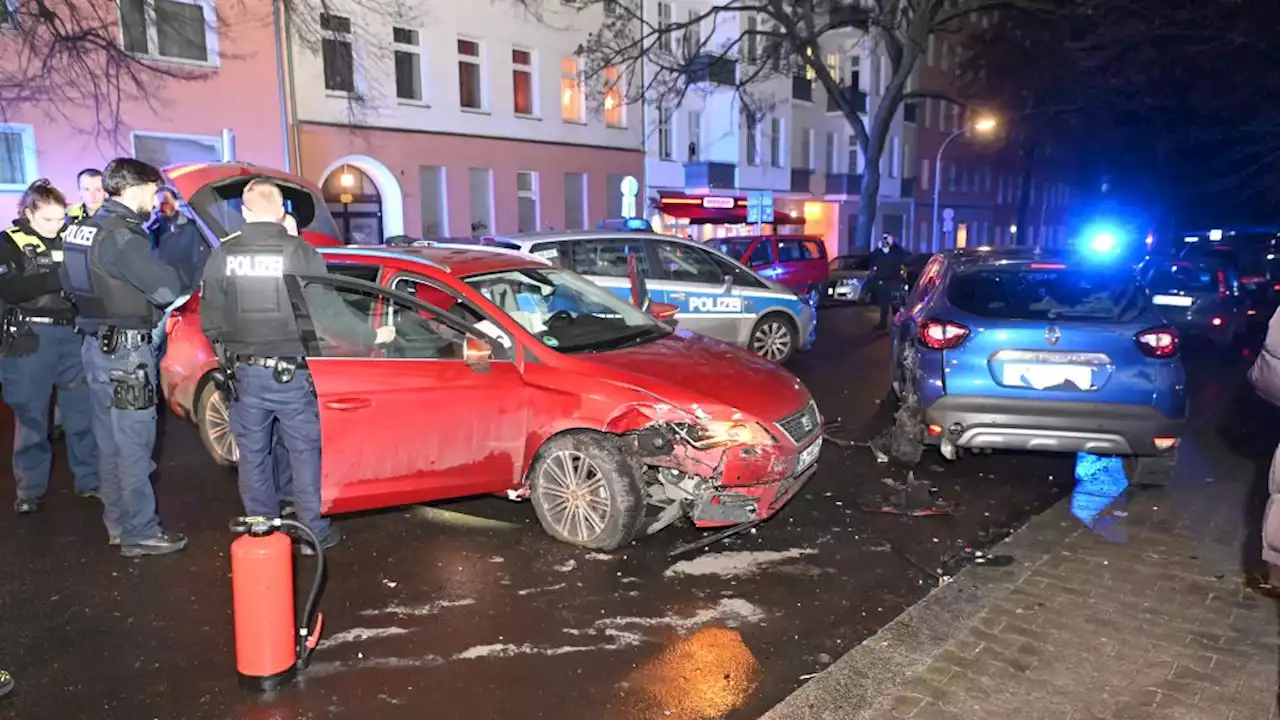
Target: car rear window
<point x="1048" y="293"/>
<point x="1184" y="276"/>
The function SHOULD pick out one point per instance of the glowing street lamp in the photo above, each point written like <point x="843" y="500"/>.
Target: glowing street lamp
<point x="982" y="126"/>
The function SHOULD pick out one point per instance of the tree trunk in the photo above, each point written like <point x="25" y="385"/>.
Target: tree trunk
<point x="1029" y="147"/>
<point x="868" y="206"/>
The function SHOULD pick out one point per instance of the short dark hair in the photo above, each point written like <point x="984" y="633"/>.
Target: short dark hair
<point x="124" y="173"/>
<point x="87" y="172"/>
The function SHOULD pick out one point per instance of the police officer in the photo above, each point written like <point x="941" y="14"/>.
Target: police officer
<point x="247" y="314"/>
<point x="886" y="276"/>
<point x="91" y="195"/>
<point x="119" y="287"/>
<point x="41" y="349"/>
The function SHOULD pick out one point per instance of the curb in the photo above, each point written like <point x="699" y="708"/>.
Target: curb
<point x="855" y="684"/>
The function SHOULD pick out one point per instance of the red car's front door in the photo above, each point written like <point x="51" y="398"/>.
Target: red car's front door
<point x="419" y="422"/>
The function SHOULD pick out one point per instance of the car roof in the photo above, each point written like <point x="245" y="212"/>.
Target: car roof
<point x="526" y="239"/>
<point x="457" y="260"/>
<point x="1009" y="255"/>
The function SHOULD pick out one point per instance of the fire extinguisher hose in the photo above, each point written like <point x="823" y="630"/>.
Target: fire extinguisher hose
<point x="309" y="610"/>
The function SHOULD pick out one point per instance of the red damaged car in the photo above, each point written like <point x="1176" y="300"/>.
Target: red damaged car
<point x="511" y="376"/>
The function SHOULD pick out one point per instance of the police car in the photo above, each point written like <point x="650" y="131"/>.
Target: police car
<point x="716" y="295"/>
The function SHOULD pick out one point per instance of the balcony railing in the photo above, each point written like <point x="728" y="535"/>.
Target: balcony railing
<point x="801" y="88"/>
<point x="715" y="69"/>
<point x="847" y="184"/>
<point x="856" y="97"/>
<point x="800" y="180"/>
<point x="710" y="175"/>
<point x="909" y="113"/>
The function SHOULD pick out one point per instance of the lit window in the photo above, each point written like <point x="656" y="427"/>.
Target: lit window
<point x="570" y="91"/>
<point x="470" y="85"/>
<point x="833" y="65"/>
<point x="615" y="108"/>
<point x="522" y="82"/>
<point x="408" y="62"/>
<point x="174" y="29"/>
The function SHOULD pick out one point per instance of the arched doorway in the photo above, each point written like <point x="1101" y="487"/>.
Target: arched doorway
<point x="356" y="204"/>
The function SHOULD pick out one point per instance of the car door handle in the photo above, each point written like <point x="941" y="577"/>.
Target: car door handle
<point x="677" y="296"/>
<point x="346" y="404"/>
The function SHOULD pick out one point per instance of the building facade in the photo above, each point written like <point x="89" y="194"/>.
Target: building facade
<point x="204" y="116"/>
<point x="476" y="120"/>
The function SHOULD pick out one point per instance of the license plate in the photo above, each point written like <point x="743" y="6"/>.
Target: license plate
<point x="1173" y="300"/>
<point x="809" y="455"/>
<point x="1040" y="377"/>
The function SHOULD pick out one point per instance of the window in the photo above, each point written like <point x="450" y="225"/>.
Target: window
<point x="1000" y="189"/>
<point x="895" y="158"/>
<point x="607" y="257"/>
<point x="751" y="53"/>
<point x="666" y="39"/>
<point x="695" y="134"/>
<point x="833" y="65"/>
<point x="170" y="29"/>
<point x="431" y="185"/>
<point x="775" y="142"/>
<point x="753" y="140"/>
<point x="806" y="149"/>
<point x="737" y="248"/>
<point x="925" y="169"/>
<point x="17" y="157"/>
<point x="522" y="82"/>
<point x="856" y="164"/>
<point x="161" y="149"/>
<point x="793" y="250"/>
<point x="951" y="176"/>
<point x="831" y="154"/>
<point x="337" y="52"/>
<point x="527" y="200"/>
<point x="1021" y="294"/>
<point x="928" y="113"/>
<point x="946" y="55"/>
<point x="615" y="109"/>
<point x="571" y="105"/>
<point x="432" y="293"/>
<point x="684" y="263"/>
<point x="480" y="183"/>
<point x="470" y="79"/>
<point x="692" y="35"/>
<point x="664" y="134"/>
<point x="408" y="60"/>
<point x="575" y="201"/>
<point x="933" y="50"/>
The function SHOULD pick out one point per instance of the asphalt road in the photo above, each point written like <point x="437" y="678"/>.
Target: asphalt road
<point x="467" y="610"/>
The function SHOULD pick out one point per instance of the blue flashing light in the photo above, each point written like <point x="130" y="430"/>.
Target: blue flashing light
<point x="1103" y="241"/>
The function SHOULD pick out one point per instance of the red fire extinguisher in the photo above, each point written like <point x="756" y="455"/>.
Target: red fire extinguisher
<point x="271" y="644"/>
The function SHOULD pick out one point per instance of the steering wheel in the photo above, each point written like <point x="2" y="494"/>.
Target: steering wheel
<point x="565" y="314"/>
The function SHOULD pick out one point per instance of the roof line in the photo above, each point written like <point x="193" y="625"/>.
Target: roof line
<point x="389" y="255"/>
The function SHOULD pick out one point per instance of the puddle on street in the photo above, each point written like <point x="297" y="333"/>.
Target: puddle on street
<point x="1099" y="499"/>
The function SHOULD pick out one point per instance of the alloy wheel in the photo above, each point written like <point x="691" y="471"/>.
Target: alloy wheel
<point x="573" y="491"/>
<point x="771" y="341"/>
<point x="217" y="423"/>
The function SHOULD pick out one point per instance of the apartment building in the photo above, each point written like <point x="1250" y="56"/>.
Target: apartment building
<point x="472" y="120"/>
<point x="228" y="105"/>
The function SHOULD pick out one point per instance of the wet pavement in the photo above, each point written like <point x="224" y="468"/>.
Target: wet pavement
<point x="467" y="610"/>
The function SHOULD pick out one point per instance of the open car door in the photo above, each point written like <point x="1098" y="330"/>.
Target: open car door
<point x="440" y="413"/>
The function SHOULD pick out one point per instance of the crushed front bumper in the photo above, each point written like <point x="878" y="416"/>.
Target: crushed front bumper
<point x="735" y="504"/>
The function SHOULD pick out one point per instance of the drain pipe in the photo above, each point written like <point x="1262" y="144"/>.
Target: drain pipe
<point x="288" y="90"/>
<point x="277" y="20"/>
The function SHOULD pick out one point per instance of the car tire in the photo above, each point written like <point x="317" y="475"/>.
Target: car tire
<point x="1155" y="471"/>
<point x="814" y="295"/>
<point x="774" y="338"/>
<point x="602" y="480"/>
<point x="213" y="423"/>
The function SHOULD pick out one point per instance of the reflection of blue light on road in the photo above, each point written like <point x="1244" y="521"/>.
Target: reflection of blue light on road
<point x="1099" y="481"/>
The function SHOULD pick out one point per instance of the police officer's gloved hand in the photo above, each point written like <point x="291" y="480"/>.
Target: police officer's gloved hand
<point x="24" y="344"/>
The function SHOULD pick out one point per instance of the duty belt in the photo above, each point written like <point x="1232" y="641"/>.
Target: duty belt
<point x="45" y="320"/>
<point x="271" y="363"/>
<point x="128" y="336"/>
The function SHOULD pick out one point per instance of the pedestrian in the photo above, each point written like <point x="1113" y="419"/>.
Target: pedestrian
<point x="120" y="288"/>
<point x="886" y="276"/>
<point x="246" y="312"/>
<point x="42" y="350"/>
<point x="92" y="196"/>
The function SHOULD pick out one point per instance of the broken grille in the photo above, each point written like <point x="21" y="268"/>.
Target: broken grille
<point x="802" y="425"/>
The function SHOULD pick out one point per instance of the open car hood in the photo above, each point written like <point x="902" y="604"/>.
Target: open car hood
<point x="685" y="368"/>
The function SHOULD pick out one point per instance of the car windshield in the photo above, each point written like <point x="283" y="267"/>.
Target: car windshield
<point x="566" y="311"/>
<point x="1047" y="293"/>
<point x="219" y="207"/>
<point x="1181" y="275"/>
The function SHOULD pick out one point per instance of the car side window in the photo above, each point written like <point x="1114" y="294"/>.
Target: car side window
<point x="760" y="254"/>
<point x="556" y="252"/>
<point x="741" y="277"/>
<point x="353" y="270"/>
<point x="684" y="263"/>
<point x="790" y="251"/>
<point x="420" y="334"/>
<point x="812" y="250"/>
<point x="607" y="257"/>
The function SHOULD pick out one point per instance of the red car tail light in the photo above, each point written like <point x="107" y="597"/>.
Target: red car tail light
<point x="1158" y="342"/>
<point x="942" y="335"/>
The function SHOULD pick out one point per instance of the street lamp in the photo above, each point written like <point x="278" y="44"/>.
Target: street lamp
<point x="981" y="126"/>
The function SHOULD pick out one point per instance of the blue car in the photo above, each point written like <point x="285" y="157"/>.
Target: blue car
<point x="1018" y="350"/>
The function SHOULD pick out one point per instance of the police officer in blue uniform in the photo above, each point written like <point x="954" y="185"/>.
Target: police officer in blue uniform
<point x="247" y="314"/>
<point x="119" y="288"/>
<point x="41" y="349"/>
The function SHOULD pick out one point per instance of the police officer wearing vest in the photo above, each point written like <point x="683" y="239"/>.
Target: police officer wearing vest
<point x="91" y="195"/>
<point x="120" y="289"/>
<point x="246" y="312"/>
<point x="41" y="349"/>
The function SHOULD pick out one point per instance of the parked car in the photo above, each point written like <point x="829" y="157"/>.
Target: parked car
<point x="849" y="278"/>
<point x="717" y="295"/>
<point x="1202" y="298"/>
<point x="512" y="376"/>
<point x="1252" y="257"/>
<point x="797" y="261"/>
<point x="1013" y="349"/>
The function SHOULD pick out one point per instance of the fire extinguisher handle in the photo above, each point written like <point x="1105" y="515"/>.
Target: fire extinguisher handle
<point x="255" y="525"/>
<point x="309" y="610"/>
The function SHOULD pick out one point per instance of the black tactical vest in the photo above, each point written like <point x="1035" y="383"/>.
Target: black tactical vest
<point x="41" y="256"/>
<point x="259" y="318"/>
<point x="102" y="298"/>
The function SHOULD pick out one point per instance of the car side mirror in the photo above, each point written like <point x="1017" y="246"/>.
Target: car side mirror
<point x="664" y="312"/>
<point x="476" y="353"/>
<point x="728" y="284"/>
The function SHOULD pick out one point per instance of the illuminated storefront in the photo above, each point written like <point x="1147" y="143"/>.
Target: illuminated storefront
<point x="706" y="217"/>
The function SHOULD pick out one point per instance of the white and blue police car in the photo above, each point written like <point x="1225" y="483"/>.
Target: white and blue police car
<point x="717" y="295"/>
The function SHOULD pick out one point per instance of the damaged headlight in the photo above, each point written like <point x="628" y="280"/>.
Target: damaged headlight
<point x="710" y="433"/>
